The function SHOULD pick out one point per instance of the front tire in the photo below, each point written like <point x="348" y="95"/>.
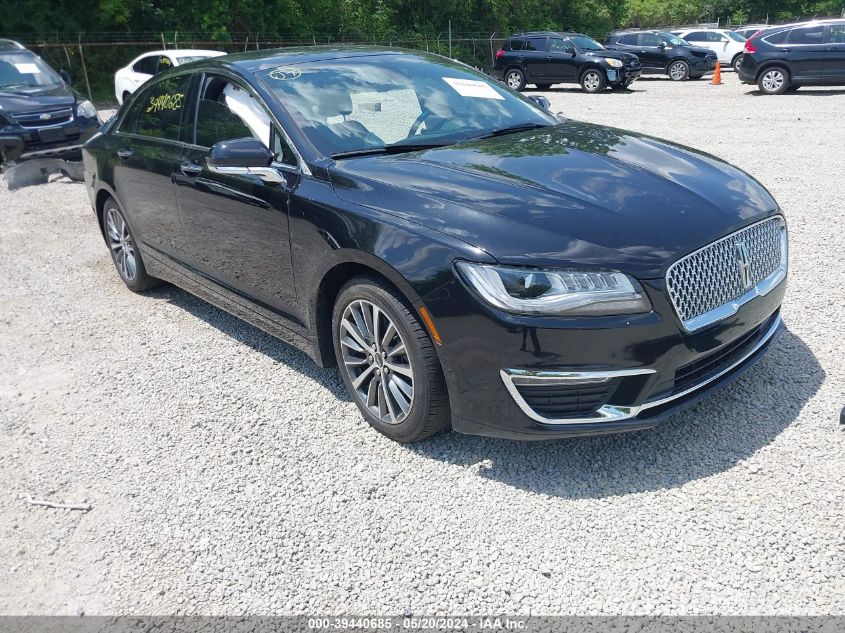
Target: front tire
<point x="773" y="81"/>
<point x="387" y="362"/>
<point x="124" y="249"/>
<point x="593" y="81"/>
<point x="515" y="79"/>
<point x="679" y="70"/>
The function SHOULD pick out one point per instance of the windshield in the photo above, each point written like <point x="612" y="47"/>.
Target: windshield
<point x="674" y="40"/>
<point x="25" y="70"/>
<point x="735" y="36"/>
<point x="369" y="103"/>
<point x="585" y="43"/>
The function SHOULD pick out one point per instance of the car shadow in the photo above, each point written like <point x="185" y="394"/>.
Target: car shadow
<point x="253" y="337"/>
<point x="802" y="92"/>
<point x="711" y="437"/>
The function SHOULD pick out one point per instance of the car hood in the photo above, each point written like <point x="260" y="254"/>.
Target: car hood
<point x="571" y="194"/>
<point x="612" y="54"/>
<point x="37" y="98"/>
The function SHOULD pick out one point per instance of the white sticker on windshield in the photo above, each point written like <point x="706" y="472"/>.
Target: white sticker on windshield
<point x="27" y="69"/>
<point x="473" y="88"/>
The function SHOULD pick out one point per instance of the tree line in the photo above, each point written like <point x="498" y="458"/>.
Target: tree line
<point x="232" y="24"/>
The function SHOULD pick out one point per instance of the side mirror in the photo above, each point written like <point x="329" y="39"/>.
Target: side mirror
<point x="65" y="77"/>
<point x="541" y="101"/>
<point x="243" y="157"/>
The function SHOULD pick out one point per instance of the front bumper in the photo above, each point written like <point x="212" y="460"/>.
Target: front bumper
<point x="62" y="141"/>
<point x="625" y="75"/>
<point x="702" y="65"/>
<point x="651" y="367"/>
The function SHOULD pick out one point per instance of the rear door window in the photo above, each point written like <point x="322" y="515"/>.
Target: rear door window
<point x="161" y="107"/>
<point x="697" y="36"/>
<point x="806" y="35"/>
<point x="535" y="44"/>
<point x="146" y="65"/>
<point x="517" y="45"/>
<point x="650" y="39"/>
<point x="631" y="39"/>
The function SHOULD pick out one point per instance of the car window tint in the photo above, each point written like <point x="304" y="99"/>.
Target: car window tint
<point x="806" y="35"/>
<point x="650" y="39"/>
<point x="161" y="108"/>
<point x="696" y="36"/>
<point x="630" y="39"/>
<point x="776" y="38"/>
<point x="715" y="37"/>
<point x="535" y="44"/>
<point x="227" y="111"/>
<point x="837" y="34"/>
<point x="146" y="65"/>
<point x="517" y="45"/>
<point x="560" y="46"/>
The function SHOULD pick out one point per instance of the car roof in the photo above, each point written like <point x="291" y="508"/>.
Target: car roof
<point x="11" y="45"/>
<point x="695" y="28"/>
<point x="624" y="31"/>
<point x="534" y="33"/>
<point x="182" y="51"/>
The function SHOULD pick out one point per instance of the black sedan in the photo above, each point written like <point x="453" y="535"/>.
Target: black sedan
<point x="465" y="258"/>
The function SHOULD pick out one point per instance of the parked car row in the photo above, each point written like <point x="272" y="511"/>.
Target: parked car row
<point x="548" y="58"/>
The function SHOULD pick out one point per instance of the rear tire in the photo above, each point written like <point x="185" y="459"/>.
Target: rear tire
<point x="593" y="81"/>
<point x="736" y="62"/>
<point x="387" y="361"/>
<point x="124" y="249"/>
<point x="515" y="79"/>
<point x="773" y="81"/>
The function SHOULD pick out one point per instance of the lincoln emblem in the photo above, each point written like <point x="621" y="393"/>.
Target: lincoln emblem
<point x="743" y="264"/>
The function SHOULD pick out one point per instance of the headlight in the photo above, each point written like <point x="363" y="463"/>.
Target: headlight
<point x="86" y="109"/>
<point x="613" y="63"/>
<point x="555" y="292"/>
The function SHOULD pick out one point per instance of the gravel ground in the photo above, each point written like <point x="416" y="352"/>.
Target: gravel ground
<point x="229" y="475"/>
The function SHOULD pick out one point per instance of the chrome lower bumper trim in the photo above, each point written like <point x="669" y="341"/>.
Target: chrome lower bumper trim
<point x="609" y="412"/>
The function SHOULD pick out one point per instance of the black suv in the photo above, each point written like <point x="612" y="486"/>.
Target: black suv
<point x="40" y="116"/>
<point x="664" y="53"/>
<point x="786" y="57"/>
<point x="550" y="58"/>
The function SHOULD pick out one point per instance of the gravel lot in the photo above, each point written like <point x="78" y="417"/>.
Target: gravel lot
<point x="228" y="474"/>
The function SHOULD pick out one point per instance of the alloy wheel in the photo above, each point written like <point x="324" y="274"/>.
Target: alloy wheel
<point x="678" y="71"/>
<point x="376" y="361"/>
<point x="121" y="245"/>
<point x="513" y="80"/>
<point x="773" y="81"/>
<point x="592" y="81"/>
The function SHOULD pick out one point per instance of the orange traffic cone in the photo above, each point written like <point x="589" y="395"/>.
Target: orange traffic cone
<point x="717" y="75"/>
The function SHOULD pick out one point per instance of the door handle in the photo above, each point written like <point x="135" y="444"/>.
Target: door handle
<point x="125" y="153"/>
<point x="190" y="169"/>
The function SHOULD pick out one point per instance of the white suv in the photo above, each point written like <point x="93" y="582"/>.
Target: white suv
<point x="129" y="78"/>
<point x="727" y="45"/>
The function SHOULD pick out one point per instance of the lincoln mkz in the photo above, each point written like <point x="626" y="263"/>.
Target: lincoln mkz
<point x="465" y="258"/>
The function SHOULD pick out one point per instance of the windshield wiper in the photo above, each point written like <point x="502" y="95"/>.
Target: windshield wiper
<point x="513" y="129"/>
<point x="393" y="148"/>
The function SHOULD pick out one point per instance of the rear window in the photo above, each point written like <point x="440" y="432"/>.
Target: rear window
<point x="806" y="35"/>
<point x="146" y="65"/>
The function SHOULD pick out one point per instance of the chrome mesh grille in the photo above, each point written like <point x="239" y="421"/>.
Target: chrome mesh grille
<point x="713" y="276"/>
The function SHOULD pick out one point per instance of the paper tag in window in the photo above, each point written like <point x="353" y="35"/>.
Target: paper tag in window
<point x="27" y="69"/>
<point x="473" y="88"/>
